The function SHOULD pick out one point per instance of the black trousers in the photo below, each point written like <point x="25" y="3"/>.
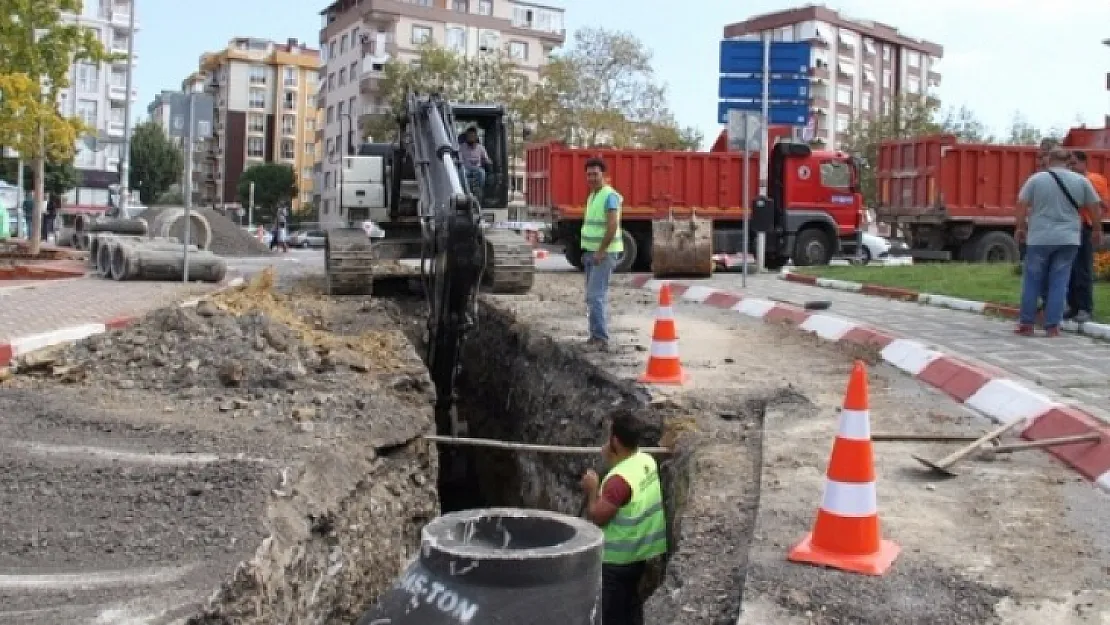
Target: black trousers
<point x="1081" y="285"/>
<point x="620" y="594"/>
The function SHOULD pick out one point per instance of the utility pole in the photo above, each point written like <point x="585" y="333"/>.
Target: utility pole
<point x="190" y="148"/>
<point x="125" y="158"/>
<point x="250" y="207"/>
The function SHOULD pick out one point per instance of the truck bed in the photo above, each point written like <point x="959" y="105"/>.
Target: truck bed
<point x="935" y="179"/>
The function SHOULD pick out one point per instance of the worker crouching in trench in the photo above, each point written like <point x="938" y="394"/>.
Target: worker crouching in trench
<point x="628" y="506"/>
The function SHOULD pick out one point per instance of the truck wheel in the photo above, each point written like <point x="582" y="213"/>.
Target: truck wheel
<point x="643" y="253"/>
<point x="573" y="254"/>
<point x="812" y="247"/>
<point x="627" y="258"/>
<point x="995" y="247"/>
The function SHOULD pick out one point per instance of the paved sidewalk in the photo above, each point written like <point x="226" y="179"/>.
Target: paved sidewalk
<point x="1073" y="366"/>
<point x="53" y="304"/>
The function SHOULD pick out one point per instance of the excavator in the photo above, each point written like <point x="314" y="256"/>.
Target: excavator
<point x="417" y="192"/>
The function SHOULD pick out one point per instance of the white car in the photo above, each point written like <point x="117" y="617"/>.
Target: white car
<point x="874" y="247"/>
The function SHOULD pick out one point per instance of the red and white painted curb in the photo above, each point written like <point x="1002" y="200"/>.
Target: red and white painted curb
<point x="1091" y="329"/>
<point x="25" y="345"/>
<point x="985" y="390"/>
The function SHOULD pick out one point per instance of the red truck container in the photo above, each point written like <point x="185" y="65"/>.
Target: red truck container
<point x="814" y="198"/>
<point x="956" y="201"/>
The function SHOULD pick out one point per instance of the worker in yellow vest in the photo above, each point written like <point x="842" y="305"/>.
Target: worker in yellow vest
<point x="601" y="244"/>
<point x="628" y="506"/>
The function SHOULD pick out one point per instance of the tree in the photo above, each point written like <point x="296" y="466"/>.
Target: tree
<point x="39" y="49"/>
<point x="966" y="126"/>
<point x="274" y="185"/>
<point x="60" y="177"/>
<point x="1022" y="132"/>
<point x="156" y="163"/>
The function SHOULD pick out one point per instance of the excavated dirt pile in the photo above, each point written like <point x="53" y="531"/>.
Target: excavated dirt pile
<point x="315" y="410"/>
<point x="228" y="239"/>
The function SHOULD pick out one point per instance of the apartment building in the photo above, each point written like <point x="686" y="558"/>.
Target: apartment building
<point x="265" y="112"/>
<point x="358" y="37"/>
<point x="98" y="95"/>
<point x="857" y="66"/>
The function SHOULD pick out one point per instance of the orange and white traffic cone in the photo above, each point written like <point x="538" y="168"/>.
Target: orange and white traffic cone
<point x="846" y="535"/>
<point x="664" y="366"/>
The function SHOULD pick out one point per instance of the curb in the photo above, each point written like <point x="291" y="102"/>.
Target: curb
<point x="26" y="344"/>
<point x="987" y="391"/>
<point x="1091" y="329"/>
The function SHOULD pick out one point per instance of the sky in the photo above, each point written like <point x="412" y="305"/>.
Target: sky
<point x="1001" y="57"/>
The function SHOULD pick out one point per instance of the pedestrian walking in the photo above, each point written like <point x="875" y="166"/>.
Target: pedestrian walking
<point x="628" y="506"/>
<point x="28" y="214"/>
<point x="50" y="217"/>
<point x="1080" y="299"/>
<point x="601" y="245"/>
<point x="1048" y="222"/>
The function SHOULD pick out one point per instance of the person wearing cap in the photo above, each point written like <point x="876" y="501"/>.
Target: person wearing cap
<point x="1081" y="286"/>
<point x="1048" y="222"/>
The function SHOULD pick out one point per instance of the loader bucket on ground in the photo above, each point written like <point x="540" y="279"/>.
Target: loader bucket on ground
<point x="682" y="247"/>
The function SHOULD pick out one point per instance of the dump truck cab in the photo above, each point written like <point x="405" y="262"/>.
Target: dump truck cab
<point x="816" y="203"/>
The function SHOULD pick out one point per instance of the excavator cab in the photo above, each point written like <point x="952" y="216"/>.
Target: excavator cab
<point x="489" y="121"/>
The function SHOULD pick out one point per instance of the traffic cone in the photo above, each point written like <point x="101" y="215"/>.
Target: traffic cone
<point x="664" y="366"/>
<point x="846" y="535"/>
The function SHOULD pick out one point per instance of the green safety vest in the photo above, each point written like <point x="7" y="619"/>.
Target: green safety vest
<point x="596" y="222"/>
<point x="639" y="530"/>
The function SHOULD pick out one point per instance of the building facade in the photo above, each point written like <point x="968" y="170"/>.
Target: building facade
<point x="264" y="94"/>
<point x="97" y="94"/>
<point x="358" y="37"/>
<point x="857" y="67"/>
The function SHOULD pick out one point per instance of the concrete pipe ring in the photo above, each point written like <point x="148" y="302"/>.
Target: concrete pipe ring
<point x="104" y="257"/>
<point x="499" y="565"/>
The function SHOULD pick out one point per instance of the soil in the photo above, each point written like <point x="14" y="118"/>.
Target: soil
<point x="244" y="440"/>
<point x="228" y="238"/>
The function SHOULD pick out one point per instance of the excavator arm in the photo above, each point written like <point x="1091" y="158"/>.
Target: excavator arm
<point x="453" y="254"/>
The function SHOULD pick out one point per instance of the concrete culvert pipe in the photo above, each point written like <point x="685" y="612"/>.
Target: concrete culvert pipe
<point x="104" y="257"/>
<point x="171" y="223"/>
<point x="135" y="227"/>
<point x="162" y="262"/>
<point x="499" y="565"/>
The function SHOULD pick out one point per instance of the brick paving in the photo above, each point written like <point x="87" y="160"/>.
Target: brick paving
<point x="54" y="304"/>
<point x="1075" y="367"/>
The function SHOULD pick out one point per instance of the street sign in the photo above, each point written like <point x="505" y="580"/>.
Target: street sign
<point x="746" y="57"/>
<point x="745" y="130"/>
<point x="201" y="110"/>
<point x="779" y="113"/>
<point x="733" y="87"/>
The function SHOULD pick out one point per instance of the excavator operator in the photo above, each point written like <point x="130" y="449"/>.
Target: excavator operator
<point x="474" y="157"/>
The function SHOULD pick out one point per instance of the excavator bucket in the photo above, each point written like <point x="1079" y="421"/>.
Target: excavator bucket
<point x="682" y="247"/>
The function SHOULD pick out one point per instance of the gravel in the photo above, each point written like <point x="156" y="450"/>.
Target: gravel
<point x="228" y="239"/>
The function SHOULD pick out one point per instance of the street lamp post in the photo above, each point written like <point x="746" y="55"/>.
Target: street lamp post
<point x="125" y="166"/>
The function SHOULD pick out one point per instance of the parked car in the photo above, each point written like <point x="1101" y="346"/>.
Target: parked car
<point x="874" y="247"/>
<point x="308" y="238"/>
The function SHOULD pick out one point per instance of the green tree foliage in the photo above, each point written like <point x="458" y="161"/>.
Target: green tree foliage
<point x="1021" y="132"/>
<point x="966" y="126"/>
<point x="156" y="163"/>
<point x="274" y="185"/>
<point x="59" y="179"/>
<point x="39" y="49"/>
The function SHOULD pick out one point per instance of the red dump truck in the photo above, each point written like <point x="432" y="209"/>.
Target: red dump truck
<point x="956" y="201"/>
<point x="815" y="199"/>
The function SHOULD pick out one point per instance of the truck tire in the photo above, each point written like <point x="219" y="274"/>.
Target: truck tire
<point x="628" y="257"/>
<point x="643" y="253"/>
<point x="573" y="254"/>
<point x="995" y="246"/>
<point x="812" y="247"/>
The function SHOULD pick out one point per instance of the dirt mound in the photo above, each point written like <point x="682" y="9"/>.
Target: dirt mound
<point x="228" y="239"/>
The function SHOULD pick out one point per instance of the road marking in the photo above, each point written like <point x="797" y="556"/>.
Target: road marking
<point x="91" y="579"/>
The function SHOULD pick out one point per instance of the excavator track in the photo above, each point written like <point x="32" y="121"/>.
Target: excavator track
<point x="349" y="259"/>
<point x="510" y="267"/>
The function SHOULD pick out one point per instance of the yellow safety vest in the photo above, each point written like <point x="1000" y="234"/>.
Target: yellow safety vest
<point x="596" y="222"/>
<point x="639" y="530"/>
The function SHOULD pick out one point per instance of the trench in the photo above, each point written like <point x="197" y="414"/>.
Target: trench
<point x="518" y="384"/>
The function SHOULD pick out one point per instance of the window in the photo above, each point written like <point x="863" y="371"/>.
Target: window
<point x="865" y="101"/>
<point x="456" y="39"/>
<point x="913" y="84"/>
<point x="290" y="100"/>
<point x="485" y="7"/>
<point x="331" y="114"/>
<point x="913" y="59"/>
<point x="88" y="77"/>
<point x="288" y="124"/>
<point x="257" y="99"/>
<point x="869" y="47"/>
<point x="255" y="147"/>
<point x="331" y="50"/>
<point x="844" y="95"/>
<point x="421" y="34"/>
<point x="518" y="50"/>
<point x="342" y="76"/>
<point x="351" y="105"/>
<point x="886" y="53"/>
<point x="310" y="150"/>
<point x="288" y="149"/>
<point x="257" y="75"/>
<point x="86" y="111"/>
<point x="290" y="76"/>
<point x="339" y="109"/>
<point x="353" y="71"/>
<point x="462" y="6"/>
<point x="847" y="38"/>
<point x="343" y="44"/>
<point x="306" y="172"/>
<point x="330" y="147"/>
<point x="869" y="75"/>
<point x="843" y="120"/>
<point x="327" y="180"/>
<point x="489" y="41"/>
<point x="331" y="81"/>
<point x="886" y="79"/>
<point x="119" y="78"/>
<point x="836" y="175"/>
<point x="310" y="124"/>
<point x="256" y="122"/>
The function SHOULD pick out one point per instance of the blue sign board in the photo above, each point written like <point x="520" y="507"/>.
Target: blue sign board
<point x="780" y="113"/>
<point x="746" y="57"/>
<point x="788" y="88"/>
<point x="778" y="89"/>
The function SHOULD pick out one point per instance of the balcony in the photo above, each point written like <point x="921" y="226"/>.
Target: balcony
<point x="933" y="78"/>
<point x="122" y="19"/>
<point x="379" y="47"/>
<point x="115" y="129"/>
<point x="117" y="93"/>
<point x="370" y="82"/>
<point x="819" y="72"/>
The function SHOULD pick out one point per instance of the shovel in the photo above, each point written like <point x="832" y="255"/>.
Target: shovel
<point x="941" y="466"/>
